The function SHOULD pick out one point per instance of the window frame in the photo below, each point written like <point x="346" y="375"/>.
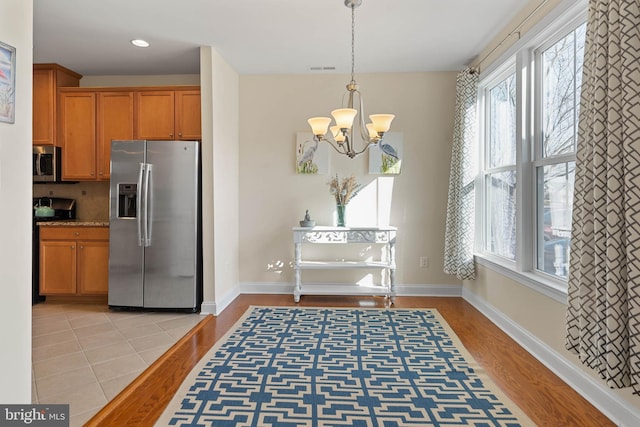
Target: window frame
<point x="524" y="58"/>
<point x="507" y="69"/>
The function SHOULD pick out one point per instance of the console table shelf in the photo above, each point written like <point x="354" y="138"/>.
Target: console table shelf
<point x="344" y="235"/>
<point x="332" y="265"/>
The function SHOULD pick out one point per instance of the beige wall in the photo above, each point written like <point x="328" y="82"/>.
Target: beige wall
<point x="252" y="193"/>
<point x="273" y="198"/>
<point x="533" y="12"/>
<point x="16" y="23"/>
<point x="541" y="316"/>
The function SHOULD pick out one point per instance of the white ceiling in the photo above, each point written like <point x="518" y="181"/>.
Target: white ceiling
<point x="92" y="37"/>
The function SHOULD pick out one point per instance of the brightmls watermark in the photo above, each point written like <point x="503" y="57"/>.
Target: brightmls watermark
<point x="34" y="415"/>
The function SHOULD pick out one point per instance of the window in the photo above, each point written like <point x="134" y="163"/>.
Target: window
<point x="560" y="80"/>
<point x="500" y="169"/>
<point x="529" y="116"/>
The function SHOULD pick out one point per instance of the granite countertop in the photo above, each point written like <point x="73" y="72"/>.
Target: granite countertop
<point x="74" y="223"/>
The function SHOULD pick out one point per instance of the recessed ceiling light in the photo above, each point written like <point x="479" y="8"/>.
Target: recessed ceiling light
<point x="140" y="43"/>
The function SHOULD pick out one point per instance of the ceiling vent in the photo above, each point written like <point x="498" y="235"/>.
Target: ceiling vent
<point x="322" y="68"/>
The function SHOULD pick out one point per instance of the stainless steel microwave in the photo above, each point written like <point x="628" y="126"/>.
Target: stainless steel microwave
<point x="46" y="163"/>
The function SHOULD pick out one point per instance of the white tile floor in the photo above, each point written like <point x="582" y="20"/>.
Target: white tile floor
<point x="85" y="354"/>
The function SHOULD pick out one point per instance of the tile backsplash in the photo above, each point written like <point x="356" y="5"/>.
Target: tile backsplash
<point x="92" y="198"/>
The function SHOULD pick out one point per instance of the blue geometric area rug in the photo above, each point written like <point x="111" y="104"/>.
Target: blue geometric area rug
<point x="356" y="367"/>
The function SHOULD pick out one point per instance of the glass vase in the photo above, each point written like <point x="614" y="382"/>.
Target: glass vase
<point x="342" y="212"/>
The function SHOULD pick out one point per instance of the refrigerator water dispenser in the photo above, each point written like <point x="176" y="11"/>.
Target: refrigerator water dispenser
<point x="127" y="196"/>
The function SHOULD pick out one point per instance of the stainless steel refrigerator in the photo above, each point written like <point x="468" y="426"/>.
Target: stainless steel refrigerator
<point x="155" y="257"/>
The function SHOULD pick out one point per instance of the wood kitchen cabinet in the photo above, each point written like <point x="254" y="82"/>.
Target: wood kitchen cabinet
<point x="74" y="260"/>
<point x="168" y="114"/>
<point x="78" y="135"/>
<point x="93" y="267"/>
<point x="47" y="78"/>
<point x="89" y="120"/>
<point x="115" y="121"/>
<point x="188" y="123"/>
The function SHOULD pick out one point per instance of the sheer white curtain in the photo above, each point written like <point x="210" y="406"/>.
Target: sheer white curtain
<point x="603" y="316"/>
<point x="459" y="234"/>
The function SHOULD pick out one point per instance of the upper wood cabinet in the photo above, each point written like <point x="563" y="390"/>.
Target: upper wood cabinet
<point x="168" y="114"/>
<point x="115" y="121"/>
<point x="89" y="120"/>
<point x="188" y="115"/>
<point x="47" y="78"/>
<point x="155" y="115"/>
<point x="78" y="135"/>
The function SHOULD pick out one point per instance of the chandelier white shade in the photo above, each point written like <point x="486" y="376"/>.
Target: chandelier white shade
<point x="345" y="118"/>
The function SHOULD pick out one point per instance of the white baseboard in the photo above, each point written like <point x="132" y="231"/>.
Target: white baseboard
<point x="598" y="394"/>
<point x="429" y="290"/>
<point x="216" y="307"/>
<point x="401" y="290"/>
<point x="265" y="288"/>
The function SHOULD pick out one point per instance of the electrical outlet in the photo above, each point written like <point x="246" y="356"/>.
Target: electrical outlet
<point x="424" y="262"/>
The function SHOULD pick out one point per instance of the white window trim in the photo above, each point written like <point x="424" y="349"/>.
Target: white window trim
<point x="568" y="13"/>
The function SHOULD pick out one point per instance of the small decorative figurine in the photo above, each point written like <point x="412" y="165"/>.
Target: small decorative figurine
<point x="307" y="222"/>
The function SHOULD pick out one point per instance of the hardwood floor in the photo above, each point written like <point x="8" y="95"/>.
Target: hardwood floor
<point x="544" y="397"/>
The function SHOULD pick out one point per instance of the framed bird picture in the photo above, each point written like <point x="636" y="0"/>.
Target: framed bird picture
<point x="385" y="157"/>
<point x="312" y="157"/>
<point x="7" y="83"/>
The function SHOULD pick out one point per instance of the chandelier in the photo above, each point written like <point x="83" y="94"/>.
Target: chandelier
<point x="341" y="133"/>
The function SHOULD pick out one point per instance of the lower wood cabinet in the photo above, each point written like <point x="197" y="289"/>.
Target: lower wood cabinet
<point x="74" y="260"/>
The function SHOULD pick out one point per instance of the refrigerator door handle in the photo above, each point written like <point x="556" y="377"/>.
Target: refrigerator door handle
<point x="148" y="210"/>
<point x="139" y="206"/>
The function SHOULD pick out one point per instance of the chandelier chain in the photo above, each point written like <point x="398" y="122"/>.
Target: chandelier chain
<point x="353" y="42"/>
<point x="346" y="125"/>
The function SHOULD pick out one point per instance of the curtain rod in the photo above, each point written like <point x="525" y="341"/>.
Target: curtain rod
<point x="514" y="31"/>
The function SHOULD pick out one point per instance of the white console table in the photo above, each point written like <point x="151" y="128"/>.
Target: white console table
<point x="344" y="235"/>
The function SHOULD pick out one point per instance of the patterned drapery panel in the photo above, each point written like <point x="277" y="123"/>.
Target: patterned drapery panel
<point x="603" y="315"/>
<point x="458" y="244"/>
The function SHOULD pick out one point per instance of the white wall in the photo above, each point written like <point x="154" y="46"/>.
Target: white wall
<point x="16" y="23"/>
<point x="273" y="198"/>
<point x="220" y="102"/>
